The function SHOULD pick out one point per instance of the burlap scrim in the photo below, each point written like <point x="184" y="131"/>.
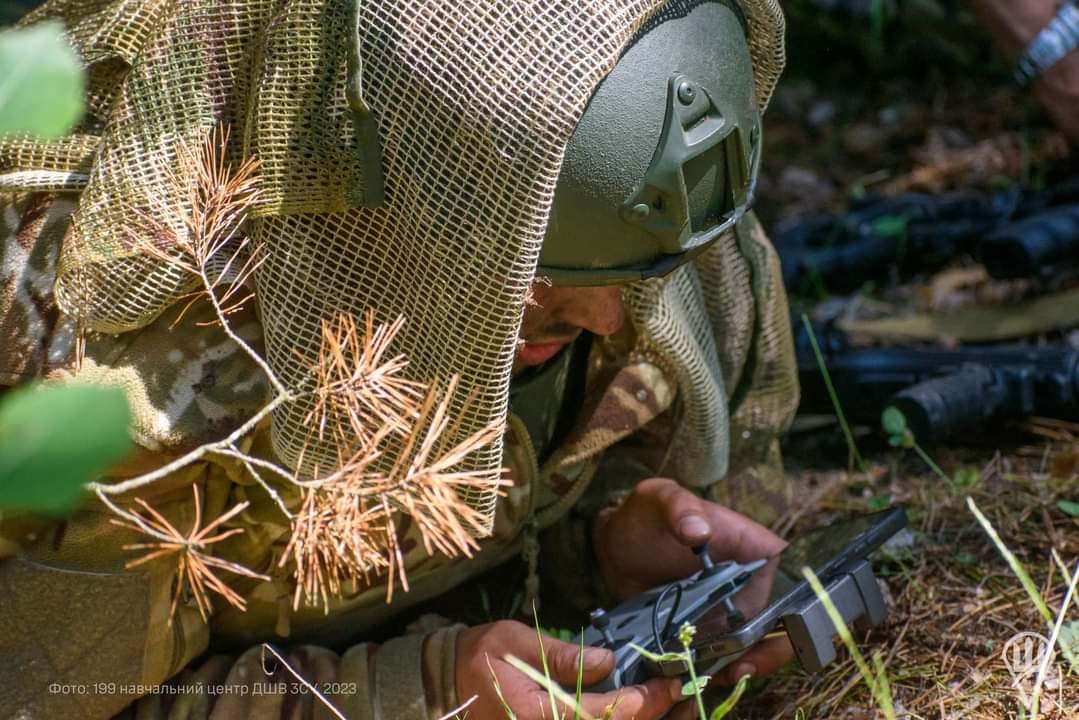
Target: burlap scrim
<point x="475" y="101"/>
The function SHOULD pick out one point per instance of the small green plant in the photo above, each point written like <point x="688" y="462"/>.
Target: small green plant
<point x="894" y="423"/>
<point x="694" y="688"/>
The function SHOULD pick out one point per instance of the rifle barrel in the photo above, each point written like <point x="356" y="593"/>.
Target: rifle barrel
<point x="943" y="393"/>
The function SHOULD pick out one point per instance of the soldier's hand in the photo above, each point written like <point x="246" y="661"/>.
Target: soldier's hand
<point x="480" y="652"/>
<point x="648" y="539"/>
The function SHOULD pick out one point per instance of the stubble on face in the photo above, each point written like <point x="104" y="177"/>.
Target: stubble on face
<point x="555" y="316"/>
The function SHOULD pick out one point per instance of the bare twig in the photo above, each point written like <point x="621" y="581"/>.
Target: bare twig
<point x="221" y="446"/>
<point x="268" y="648"/>
<point x="1050" y="648"/>
<point x="246" y="460"/>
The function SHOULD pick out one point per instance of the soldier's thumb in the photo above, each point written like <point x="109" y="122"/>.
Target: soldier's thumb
<point x="565" y="663"/>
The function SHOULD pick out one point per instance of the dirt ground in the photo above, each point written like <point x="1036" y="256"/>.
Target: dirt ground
<point x="871" y="104"/>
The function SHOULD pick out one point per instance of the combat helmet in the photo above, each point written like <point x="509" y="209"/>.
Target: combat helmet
<point x="665" y="157"/>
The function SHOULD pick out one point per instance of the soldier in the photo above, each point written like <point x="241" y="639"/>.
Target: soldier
<point x="554" y="195"/>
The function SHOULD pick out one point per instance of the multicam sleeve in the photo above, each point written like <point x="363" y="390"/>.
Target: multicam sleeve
<point x="635" y="411"/>
<point x="84" y="638"/>
<point x="407" y="678"/>
<point x="80" y="634"/>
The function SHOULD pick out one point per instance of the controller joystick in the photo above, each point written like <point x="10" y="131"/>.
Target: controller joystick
<point x="601" y="621"/>
<point x="701" y="551"/>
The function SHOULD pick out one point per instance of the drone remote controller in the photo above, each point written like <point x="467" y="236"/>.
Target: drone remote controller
<point x="651" y="620"/>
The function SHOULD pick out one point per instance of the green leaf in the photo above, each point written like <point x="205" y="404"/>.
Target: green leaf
<point x="893" y="421"/>
<point x="890" y="226"/>
<point x="965" y="478"/>
<point x="56" y="438"/>
<point x="1068" y="507"/>
<point x="41" y="82"/>
<point x="656" y="657"/>
<point x="694" y="687"/>
<point x="727" y="705"/>
<point x="879" y="502"/>
<point x="1069" y="640"/>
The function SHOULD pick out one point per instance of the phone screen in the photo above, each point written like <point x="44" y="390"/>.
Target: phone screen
<point x="773" y="589"/>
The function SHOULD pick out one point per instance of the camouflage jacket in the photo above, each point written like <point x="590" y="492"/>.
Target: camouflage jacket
<point x="86" y="638"/>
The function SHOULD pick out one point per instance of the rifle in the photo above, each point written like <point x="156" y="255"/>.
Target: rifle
<point x="942" y="393"/>
<point x="1016" y="232"/>
<point x="1032" y="246"/>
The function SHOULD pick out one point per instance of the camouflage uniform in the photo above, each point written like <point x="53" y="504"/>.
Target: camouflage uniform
<point x="83" y="638"/>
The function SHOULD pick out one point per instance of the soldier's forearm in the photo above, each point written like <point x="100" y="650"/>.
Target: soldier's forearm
<point x="1013" y="24"/>
<point x="407" y="678"/>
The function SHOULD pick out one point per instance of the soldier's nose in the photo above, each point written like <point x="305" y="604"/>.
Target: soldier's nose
<point x="597" y="309"/>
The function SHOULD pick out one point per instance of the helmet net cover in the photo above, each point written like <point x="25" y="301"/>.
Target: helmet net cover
<point x="475" y="103"/>
<point x="719" y="327"/>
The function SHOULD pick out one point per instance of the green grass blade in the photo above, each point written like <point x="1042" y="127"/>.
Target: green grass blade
<point x="1013" y="562"/>
<point x="543" y="661"/>
<point x="882" y="694"/>
<point x="727" y="705"/>
<point x="510" y="715"/>
<point x="884" y="687"/>
<point x="832" y="394"/>
<point x="580" y="680"/>
<point x="553" y="690"/>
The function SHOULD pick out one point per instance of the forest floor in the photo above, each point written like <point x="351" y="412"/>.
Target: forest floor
<point x="870" y="104"/>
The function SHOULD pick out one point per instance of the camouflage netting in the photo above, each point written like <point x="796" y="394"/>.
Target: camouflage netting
<point x="475" y="103"/>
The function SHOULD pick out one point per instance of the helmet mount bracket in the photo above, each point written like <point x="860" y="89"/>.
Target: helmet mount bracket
<point x="694" y="128"/>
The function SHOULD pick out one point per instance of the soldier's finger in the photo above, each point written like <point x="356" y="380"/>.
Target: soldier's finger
<point x="565" y="662"/>
<point x="686" y="514"/>
<point x="649" y="701"/>
<point x="685" y="710"/>
<point x="762" y="660"/>
<point x="509" y="637"/>
<point x="739" y="538"/>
